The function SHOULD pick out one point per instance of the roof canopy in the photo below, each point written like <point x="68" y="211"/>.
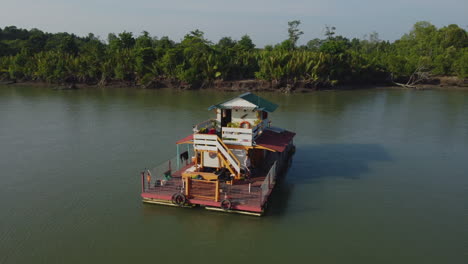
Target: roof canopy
<point x="246" y="100"/>
<point x="186" y="140"/>
<point x="276" y="141"/>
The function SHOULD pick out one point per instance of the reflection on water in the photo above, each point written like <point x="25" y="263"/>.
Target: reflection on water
<point x="348" y="161"/>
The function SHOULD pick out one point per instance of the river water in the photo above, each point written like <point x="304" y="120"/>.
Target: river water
<point x="379" y="176"/>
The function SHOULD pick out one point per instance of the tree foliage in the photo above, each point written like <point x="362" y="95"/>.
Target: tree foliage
<point x="61" y="57"/>
<point x="294" y="32"/>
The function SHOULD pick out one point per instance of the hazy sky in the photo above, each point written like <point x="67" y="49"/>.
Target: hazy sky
<point x="264" y="20"/>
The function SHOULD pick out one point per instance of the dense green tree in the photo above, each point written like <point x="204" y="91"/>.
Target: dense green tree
<point x="144" y="41"/>
<point x="314" y="44"/>
<point x="226" y="43"/>
<point x="36" y="41"/>
<point x="62" y="57"/>
<point x="245" y="44"/>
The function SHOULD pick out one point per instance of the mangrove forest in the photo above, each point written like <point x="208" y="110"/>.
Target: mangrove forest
<point x="193" y="62"/>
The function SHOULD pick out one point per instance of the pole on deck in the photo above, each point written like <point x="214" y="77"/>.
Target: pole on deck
<point x="142" y="182"/>
<point x="189" y="155"/>
<point x="178" y="157"/>
<point x="217" y="191"/>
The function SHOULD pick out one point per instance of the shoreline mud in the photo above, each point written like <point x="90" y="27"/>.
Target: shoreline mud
<point x="443" y="82"/>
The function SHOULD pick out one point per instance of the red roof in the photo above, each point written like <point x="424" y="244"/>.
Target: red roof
<point x="275" y="141"/>
<point x="187" y="139"/>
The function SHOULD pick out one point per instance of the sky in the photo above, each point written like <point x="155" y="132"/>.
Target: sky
<point x="265" y="21"/>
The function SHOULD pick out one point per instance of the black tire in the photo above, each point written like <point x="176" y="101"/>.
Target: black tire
<point x="226" y="204"/>
<point x="179" y="199"/>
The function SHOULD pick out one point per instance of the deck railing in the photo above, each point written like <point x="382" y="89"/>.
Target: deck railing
<point x="268" y="183"/>
<point x="160" y="176"/>
<point x="202" y="189"/>
<point x="243" y="136"/>
<point x="158" y="182"/>
<point x="207" y="124"/>
<point x="237" y="136"/>
<point x="244" y="194"/>
<point x="258" y="129"/>
<point x="209" y="142"/>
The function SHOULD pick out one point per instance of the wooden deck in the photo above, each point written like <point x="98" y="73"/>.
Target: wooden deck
<point x="245" y="195"/>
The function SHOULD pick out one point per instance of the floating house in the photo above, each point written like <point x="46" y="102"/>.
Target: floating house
<point x="230" y="163"/>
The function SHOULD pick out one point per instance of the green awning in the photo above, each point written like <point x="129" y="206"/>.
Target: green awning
<point x="261" y="104"/>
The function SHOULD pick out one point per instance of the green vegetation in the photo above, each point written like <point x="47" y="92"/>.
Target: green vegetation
<point x="32" y="55"/>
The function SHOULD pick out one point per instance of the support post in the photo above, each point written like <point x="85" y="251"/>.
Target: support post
<point x="142" y="182"/>
<point x="189" y="160"/>
<point x="217" y="191"/>
<point x="178" y="157"/>
<point x="187" y="186"/>
<point x="202" y="158"/>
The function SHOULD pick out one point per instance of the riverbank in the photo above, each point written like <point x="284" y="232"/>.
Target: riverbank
<point x="438" y="82"/>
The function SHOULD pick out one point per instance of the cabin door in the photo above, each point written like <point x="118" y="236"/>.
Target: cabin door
<point x="226" y="117"/>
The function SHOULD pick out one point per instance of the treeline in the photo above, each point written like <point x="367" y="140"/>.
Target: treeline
<point x="33" y="55"/>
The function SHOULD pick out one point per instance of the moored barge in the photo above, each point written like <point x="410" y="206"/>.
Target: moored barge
<point x="230" y="163"/>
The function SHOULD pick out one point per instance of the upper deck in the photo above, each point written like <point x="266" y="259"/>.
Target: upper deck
<point x="239" y="121"/>
<point x="232" y="135"/>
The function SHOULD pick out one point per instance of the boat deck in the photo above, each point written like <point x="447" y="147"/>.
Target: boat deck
<point x="248" y="195"/>
<point x="162" y="186"/>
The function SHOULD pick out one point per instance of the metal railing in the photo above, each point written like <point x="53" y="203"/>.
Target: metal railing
<point x="258" y="129"/>
<point x="244" y="194"/>
<point x="268" y="183"/>
<point x="207" y="124"/>
<point x="162" y="182"/>
<point x="160" y="178"/>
